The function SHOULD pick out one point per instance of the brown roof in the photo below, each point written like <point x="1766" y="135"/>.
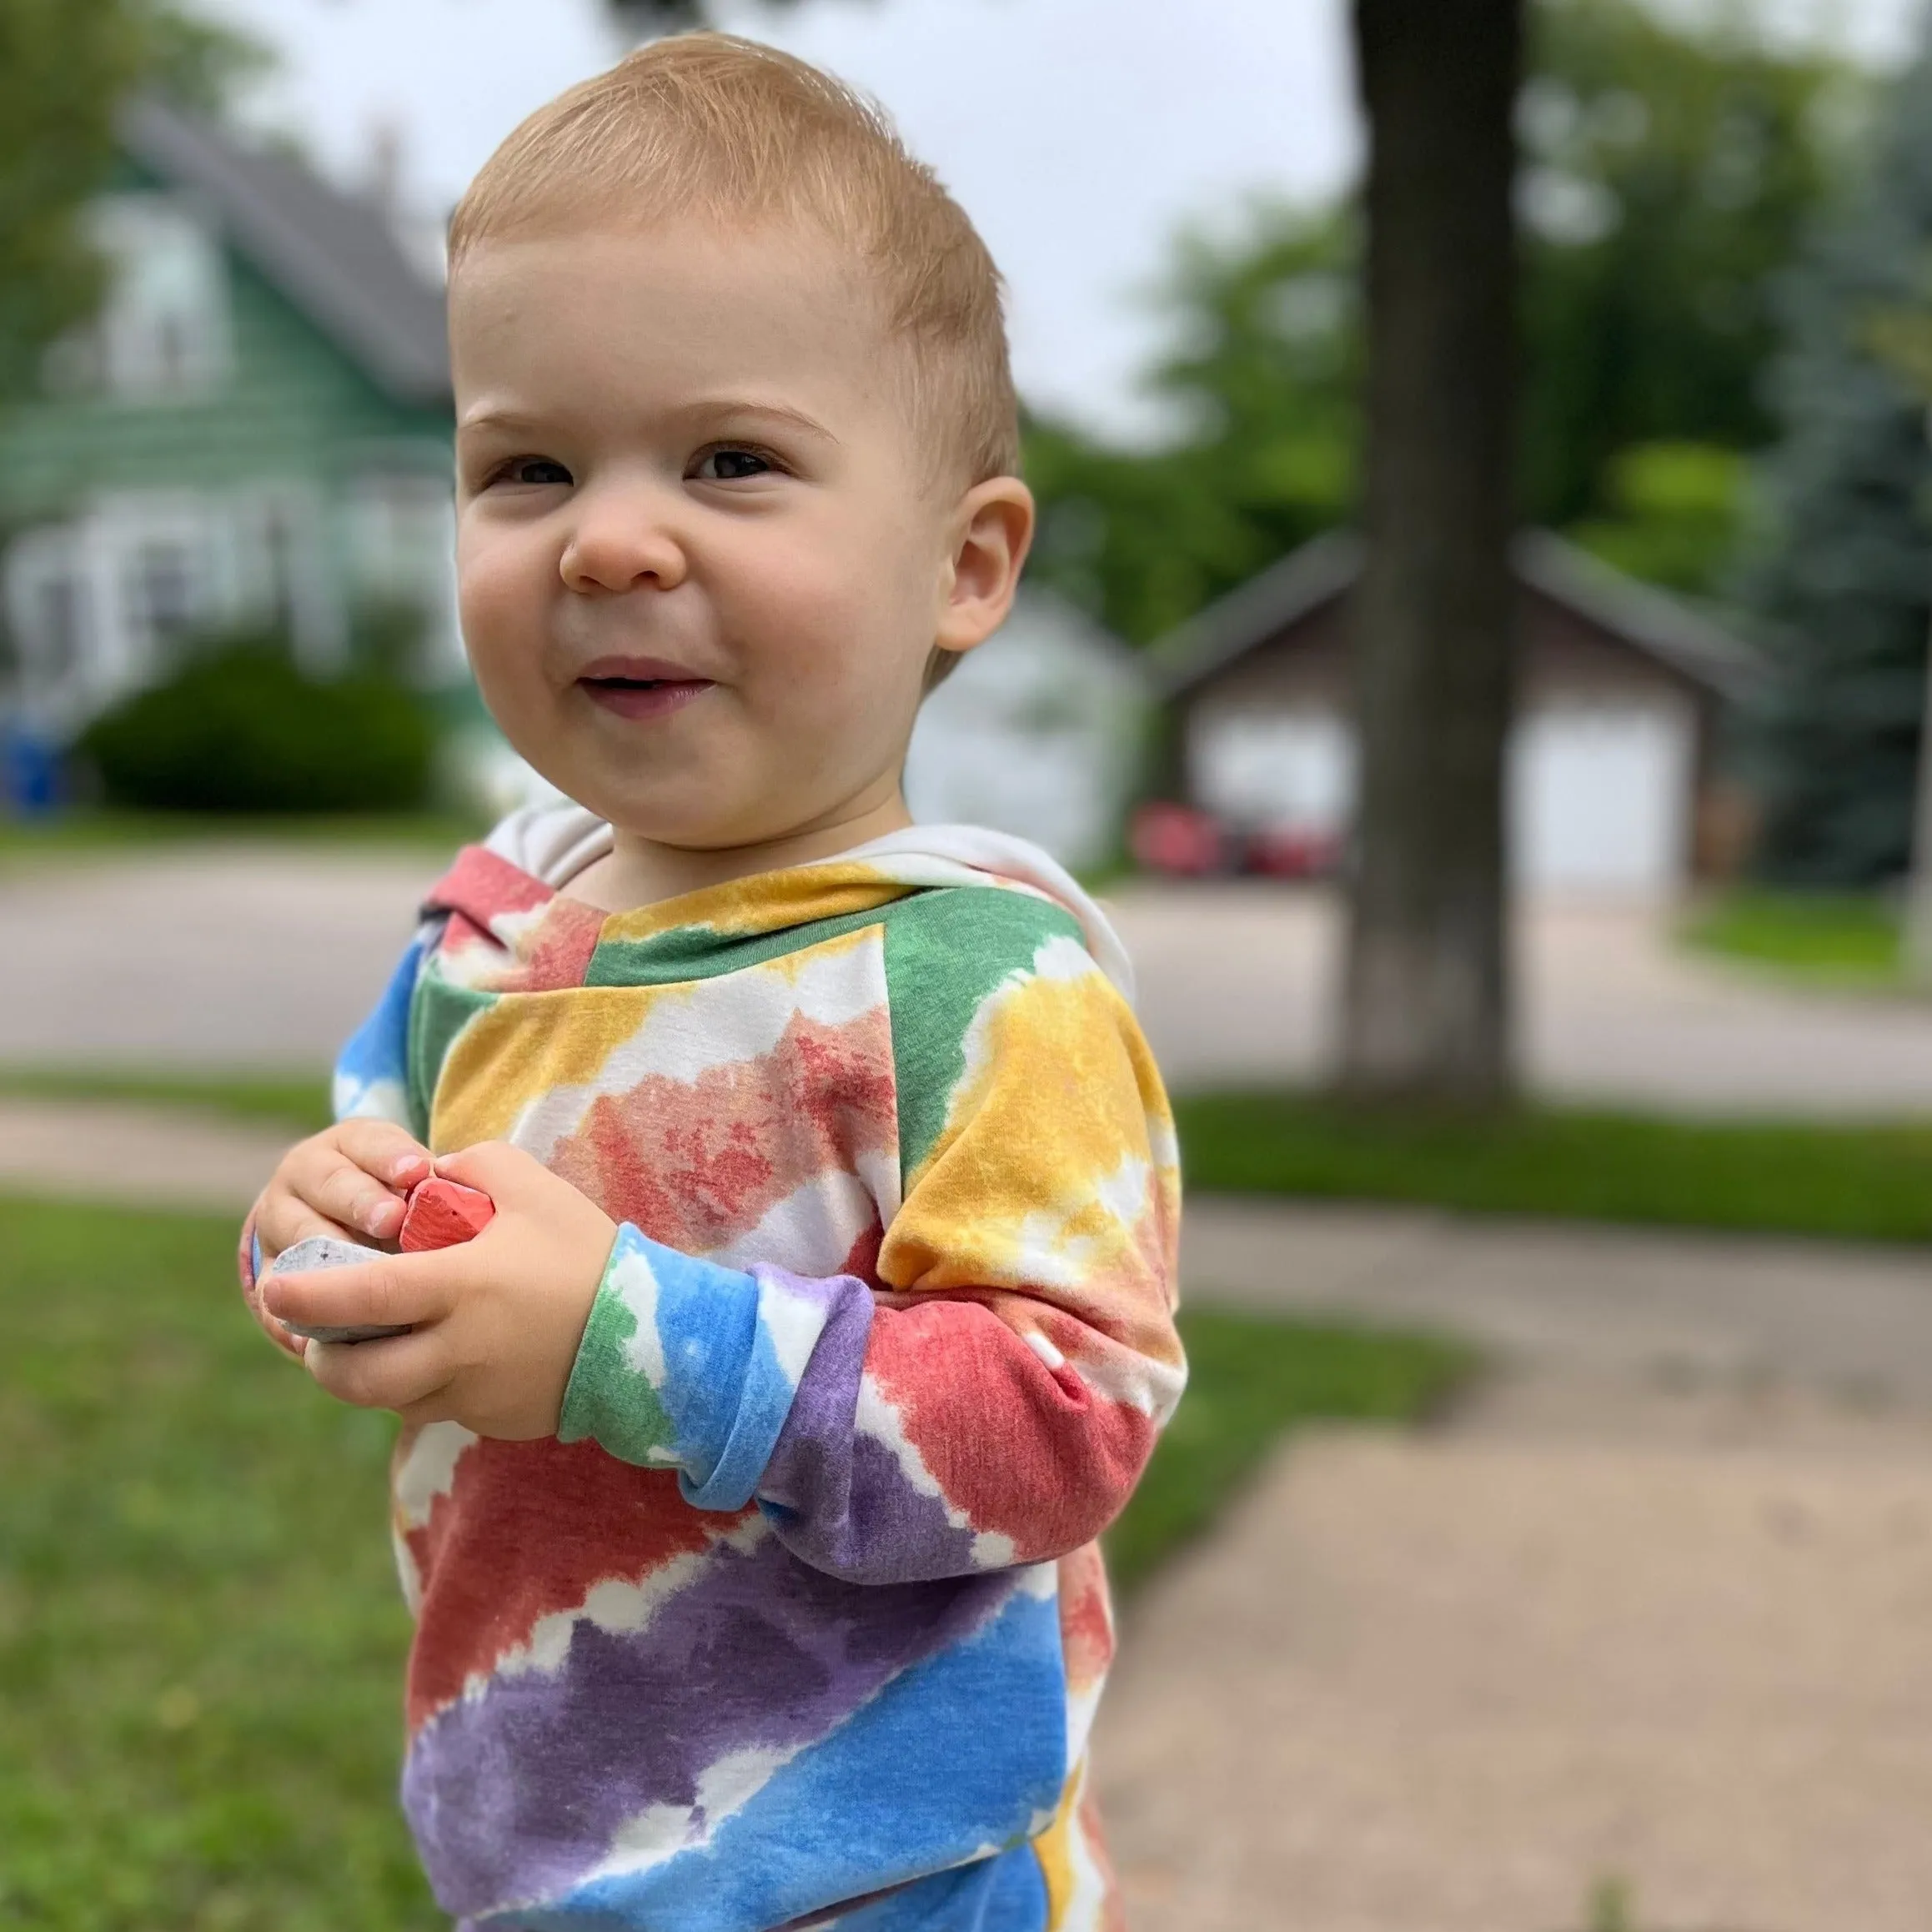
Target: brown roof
<point x="1648" y="620"/>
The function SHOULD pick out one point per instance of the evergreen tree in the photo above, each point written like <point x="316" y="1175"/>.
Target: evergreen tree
<point x="1841" y="580"/>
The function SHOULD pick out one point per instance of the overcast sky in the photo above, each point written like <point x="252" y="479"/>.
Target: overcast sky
<point x="1079" y="133"/>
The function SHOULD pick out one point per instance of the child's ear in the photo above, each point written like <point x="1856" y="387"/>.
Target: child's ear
<point x="992" y="532"/>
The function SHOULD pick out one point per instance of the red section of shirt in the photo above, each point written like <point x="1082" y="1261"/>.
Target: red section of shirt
<point x="528" y="1530"/>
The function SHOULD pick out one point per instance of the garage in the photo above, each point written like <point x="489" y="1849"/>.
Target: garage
<point x="1619" y="696"/>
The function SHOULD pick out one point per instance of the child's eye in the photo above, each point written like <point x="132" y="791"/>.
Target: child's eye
<point x="533" y="472"/>
<point x="729" y="463"/>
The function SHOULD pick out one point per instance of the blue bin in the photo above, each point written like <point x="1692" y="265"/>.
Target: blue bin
<point x="29" y="773"/>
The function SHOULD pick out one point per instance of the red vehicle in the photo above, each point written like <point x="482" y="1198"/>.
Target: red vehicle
<point x="1292" y="852"/>
<point x="1183" y="841"/>
<point x="1180" y="841"/>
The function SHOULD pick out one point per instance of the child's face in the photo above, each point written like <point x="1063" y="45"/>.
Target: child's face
<point x="702" y="566"/>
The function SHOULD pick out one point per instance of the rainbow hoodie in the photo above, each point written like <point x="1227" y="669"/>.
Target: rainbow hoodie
<point x="800" y="1620"/>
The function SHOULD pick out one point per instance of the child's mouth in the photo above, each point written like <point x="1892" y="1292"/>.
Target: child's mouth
<point x="641" y="697"/>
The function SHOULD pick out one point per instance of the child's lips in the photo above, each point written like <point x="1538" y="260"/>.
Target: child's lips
<point x="643" y="697"/>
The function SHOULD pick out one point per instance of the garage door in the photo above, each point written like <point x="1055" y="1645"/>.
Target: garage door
<point x="1600" y="797"/>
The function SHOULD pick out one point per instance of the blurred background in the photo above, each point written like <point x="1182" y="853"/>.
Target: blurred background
<point x="1477" y="646"/>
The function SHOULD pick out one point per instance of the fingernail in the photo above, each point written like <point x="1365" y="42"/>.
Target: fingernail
<point x="403" y="1164"/>
<point x="373" y="1210"/>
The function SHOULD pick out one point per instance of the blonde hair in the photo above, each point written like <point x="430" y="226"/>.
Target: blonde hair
<point x="712" y="125"/>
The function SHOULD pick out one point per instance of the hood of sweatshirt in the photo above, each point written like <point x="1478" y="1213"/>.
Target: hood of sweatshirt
<point x="553" y="843"/>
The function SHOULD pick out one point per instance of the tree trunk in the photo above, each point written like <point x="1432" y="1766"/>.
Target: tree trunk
<point x="1427" y="981"/>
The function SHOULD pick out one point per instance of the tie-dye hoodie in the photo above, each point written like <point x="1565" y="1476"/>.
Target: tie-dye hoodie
<point x="801" y="1619"/>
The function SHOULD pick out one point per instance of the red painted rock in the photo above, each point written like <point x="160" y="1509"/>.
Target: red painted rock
<point x="442" y="1213"/>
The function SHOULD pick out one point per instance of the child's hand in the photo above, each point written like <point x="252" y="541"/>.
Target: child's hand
<point x="495" y="1322"/>
<point x="348" y="1182"/>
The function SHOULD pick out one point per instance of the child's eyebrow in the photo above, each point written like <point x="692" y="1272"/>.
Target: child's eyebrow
<point x="715" y="407"/>
<point x="486" y="422"/>
<point x="518" y="423"/>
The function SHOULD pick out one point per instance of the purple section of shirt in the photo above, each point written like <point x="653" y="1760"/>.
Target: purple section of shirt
<point x="516" y="1793"/>
<point x="839" y="1499"/>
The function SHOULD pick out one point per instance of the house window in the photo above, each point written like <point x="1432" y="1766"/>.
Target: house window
<point x="280" y="572"/>
<point x="162" y="334"/>
<point x="278" y="567"/>
<point x="46" y="611"/>
<point x="158" y="555"/>
<point x="402" y="531"/>
<point x="405" y="533"/>
<point x="161" y="601"/>
<point x="101" y="606"/>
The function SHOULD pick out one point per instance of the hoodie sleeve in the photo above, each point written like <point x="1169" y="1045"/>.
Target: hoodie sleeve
<point x="372" y="1072"/>
<point x="995" y="1401"/>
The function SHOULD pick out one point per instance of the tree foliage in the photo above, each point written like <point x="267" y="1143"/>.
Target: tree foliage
<point x="1842" y="578"/>
<point x="1262" y="373"/>
<point x="65" y="67"/>
<point x="1670" y="172"/>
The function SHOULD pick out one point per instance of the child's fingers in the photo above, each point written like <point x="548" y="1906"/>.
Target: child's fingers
<point x="384" y="1150"/>
<point x="398" y="1290"/>
<point x="401" y="1373"/>
<point x="327" y="1180"/>
<point x="282" y="1220"/>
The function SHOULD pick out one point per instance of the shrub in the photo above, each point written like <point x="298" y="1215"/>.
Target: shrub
<point x="240" y="728"/>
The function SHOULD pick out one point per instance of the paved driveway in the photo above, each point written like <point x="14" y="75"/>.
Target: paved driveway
<point x="266" y="957"/>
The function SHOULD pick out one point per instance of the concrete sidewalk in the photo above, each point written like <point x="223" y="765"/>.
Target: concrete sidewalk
<point x="185" y="1159"/>
<point x="1654" y="1609"/>
<point x="1543" y="1296"/>
<point x="1456" y="1685"/>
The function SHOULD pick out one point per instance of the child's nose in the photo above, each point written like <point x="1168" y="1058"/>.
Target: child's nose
<point x="622" y="541"/>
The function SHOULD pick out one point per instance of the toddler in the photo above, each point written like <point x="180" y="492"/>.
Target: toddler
<point x="752" y="1457"/>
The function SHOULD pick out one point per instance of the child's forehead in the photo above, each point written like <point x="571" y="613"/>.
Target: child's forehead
<point x="681" y="293"/>
<point x="665" y="275"/>
<point x="680" y="253"/>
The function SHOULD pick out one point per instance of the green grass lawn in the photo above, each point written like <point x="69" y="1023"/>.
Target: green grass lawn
<point x="200" y="1634"/>
<point x="201" y="1641"/>
<point x="1846" y="940"/>
<point x="1859" y="1183"/>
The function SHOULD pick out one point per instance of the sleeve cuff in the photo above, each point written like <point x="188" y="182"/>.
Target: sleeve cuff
<point x="685" y="1365"/>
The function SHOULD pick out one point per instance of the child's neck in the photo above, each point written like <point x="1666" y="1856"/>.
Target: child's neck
<point x="638" y="871"/>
